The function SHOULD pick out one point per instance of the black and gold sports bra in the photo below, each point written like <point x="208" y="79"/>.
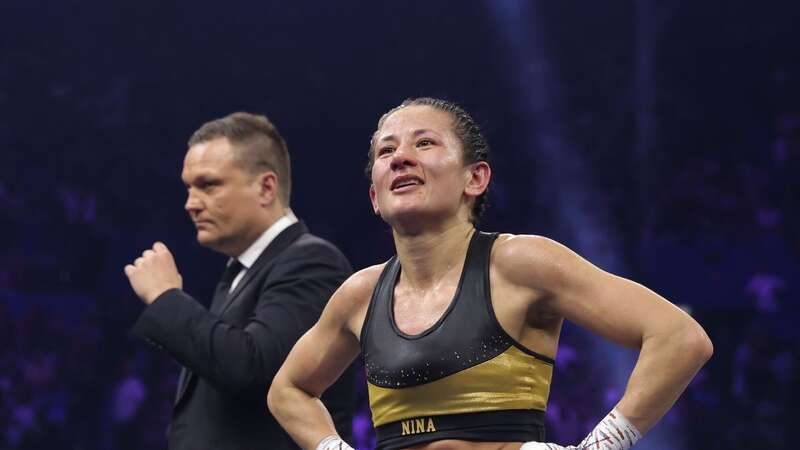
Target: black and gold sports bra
<point x="463" y="378"/>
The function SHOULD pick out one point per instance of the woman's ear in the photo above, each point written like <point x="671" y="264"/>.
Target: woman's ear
<point x="479" y="176"/>
<point x="373" y="198"/>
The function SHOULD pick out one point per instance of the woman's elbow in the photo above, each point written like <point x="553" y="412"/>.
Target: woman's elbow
<point x="698" y="345"/>
<point x="274" y="393"/>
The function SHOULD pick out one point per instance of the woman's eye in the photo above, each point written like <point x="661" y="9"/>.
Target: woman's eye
<point x="385" y="150"/>
<point x="424" y="143"/>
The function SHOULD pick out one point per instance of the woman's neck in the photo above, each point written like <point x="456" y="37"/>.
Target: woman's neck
<point x="429" y="256"/>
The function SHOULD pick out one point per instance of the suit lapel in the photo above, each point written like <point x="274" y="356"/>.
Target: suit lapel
<point x="220" y="294"/>
<point x="183" y="383"/>
<point x="275" y="248"/>
<point x="221" y="301"/>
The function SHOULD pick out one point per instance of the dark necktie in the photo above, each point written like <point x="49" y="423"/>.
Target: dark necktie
<point x="230" y="273"/>
<point x="224" y="285"/>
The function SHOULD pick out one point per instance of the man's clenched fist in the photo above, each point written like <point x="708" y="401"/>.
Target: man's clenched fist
<point x="153" y="273"/>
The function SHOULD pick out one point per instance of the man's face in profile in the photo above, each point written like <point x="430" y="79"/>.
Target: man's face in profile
<point x="222" y="199"/>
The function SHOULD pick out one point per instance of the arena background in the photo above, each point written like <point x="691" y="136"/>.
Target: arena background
<point x="659" y="139"/>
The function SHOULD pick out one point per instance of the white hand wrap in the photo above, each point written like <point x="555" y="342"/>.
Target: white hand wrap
<point x="614" y="432"/>
<point x="333" y="442"/>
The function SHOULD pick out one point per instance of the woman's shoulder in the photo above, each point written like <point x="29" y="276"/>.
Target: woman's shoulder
<point x="350" y="302"/>
<point x="527" y="257"/>
<point x="365" y="279"/>
<point x="524" y="245"/>
<point x="356" y="291"/>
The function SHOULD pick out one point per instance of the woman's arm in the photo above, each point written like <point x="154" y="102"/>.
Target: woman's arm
<point x="318" y="359"/>
<point x="672" y="346"/>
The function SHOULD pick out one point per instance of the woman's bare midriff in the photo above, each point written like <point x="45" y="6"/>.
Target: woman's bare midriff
<point x="454" y="444"/>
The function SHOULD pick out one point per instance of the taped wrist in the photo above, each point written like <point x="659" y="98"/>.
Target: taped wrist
<point x="333" y="442"/>
<point x="614" y="432"/>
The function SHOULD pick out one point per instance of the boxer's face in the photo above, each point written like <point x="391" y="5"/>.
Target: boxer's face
<point x="418" y="169"/>
<point x="222" y="200"/>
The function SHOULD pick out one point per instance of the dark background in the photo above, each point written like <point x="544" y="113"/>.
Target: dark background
<point x="661" y="140"/>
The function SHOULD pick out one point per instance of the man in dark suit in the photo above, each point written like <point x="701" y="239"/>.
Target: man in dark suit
<point x="277" y="281"/>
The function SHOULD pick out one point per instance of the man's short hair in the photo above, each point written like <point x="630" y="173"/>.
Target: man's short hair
<point x="257" y="146"/>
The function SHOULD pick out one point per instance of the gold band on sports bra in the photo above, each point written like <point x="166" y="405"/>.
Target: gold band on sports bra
<point x="510" y="380"/>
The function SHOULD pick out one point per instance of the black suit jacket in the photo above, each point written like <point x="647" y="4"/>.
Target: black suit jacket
<point x="232" y="352"/>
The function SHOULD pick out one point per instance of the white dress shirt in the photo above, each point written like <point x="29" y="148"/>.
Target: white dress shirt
<point x="249" y="256"/>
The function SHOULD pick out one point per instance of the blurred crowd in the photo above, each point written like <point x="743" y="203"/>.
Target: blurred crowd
<point x="96" y="124"/>
<point x="724" y="246"/>
<point x="721" y="239"/>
